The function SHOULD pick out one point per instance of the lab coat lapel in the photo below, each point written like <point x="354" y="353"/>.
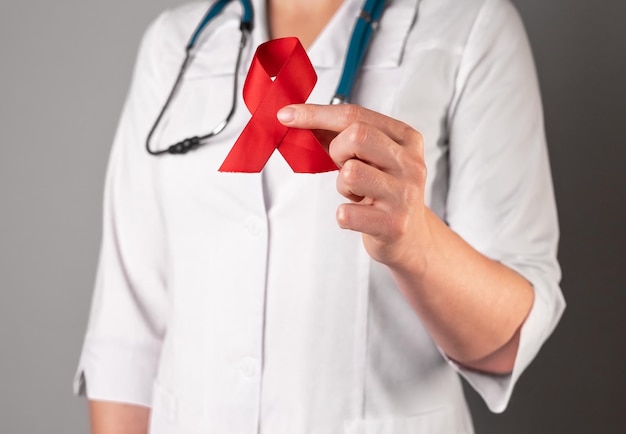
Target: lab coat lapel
<point x="388" y="42"/>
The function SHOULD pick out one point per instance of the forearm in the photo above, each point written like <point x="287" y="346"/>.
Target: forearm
<point x="472" y="306"/>
<point x="117" y="418"/>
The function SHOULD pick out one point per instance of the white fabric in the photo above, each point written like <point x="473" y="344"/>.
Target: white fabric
<point x="233" y="303"/>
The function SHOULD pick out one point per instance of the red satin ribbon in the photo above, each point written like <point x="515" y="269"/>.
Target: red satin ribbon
<point x="294" y="78"/>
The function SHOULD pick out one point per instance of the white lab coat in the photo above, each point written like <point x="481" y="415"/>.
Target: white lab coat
<point x="233" y="304"/>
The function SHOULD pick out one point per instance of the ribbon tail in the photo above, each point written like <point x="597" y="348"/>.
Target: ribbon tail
<point x="304" y="154"/>
<point x="251" y="151"/>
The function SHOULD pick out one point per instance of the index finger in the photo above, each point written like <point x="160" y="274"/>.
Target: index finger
<point x="339" y="117"/>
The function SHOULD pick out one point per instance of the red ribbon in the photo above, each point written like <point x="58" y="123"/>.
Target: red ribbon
<point x="294" y="78"/>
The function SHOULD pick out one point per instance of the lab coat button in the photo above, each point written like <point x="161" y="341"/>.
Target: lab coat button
<point x="248" y="367"/>
<point x="254" y="226"/>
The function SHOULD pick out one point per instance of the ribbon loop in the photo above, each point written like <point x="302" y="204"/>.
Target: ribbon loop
<point x="280" y="74"/>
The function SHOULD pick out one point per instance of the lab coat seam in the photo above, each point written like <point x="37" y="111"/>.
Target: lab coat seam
<point x="154" y="47"/>
<point x="365" y="299"/>
<point x="264" y="313"/>
<point x="461" y="77"/>
<point x="411" y="27"/>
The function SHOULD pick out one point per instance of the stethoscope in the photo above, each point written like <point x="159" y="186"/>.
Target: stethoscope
<point x="366" y="24"/>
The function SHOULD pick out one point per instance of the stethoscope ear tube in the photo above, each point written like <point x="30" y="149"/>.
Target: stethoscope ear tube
<point x="191" y="143"/>
<point x="366" y="24"/>
<point x="169" y="99"/>
<point x="247" y="18"/>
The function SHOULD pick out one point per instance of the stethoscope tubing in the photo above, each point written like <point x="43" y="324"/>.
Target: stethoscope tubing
<point x="247" y="18"/>
<point x="365" y="25"/>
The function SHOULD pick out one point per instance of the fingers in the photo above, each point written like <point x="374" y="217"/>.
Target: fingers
<point x="339" y="117"/>
<point x="357" y="181"/>
<point x="382" y="204"/>
<point x="376" y="223"/>
<point x="365" y="219"/>
<point x="382" y="171"/>
<point x="366" y="143"/>
<point x="358" y="133"/>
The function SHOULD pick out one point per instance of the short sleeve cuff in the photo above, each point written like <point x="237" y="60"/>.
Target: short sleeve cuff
<point x="117" y="371"/>
<point x="548" y="306"/>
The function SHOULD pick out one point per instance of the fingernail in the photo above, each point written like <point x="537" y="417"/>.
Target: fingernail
<point x="286" y="114"/>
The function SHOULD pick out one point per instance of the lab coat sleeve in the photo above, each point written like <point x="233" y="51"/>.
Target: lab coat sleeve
<point x="129" y="306"/>
<point x="500" y="189"/>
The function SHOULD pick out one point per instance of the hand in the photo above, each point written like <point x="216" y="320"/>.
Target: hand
<point x="382" y="173"/>
<point x="472" y="306"/>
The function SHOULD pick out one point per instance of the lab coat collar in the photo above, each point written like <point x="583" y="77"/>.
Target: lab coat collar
<point x="329" y="49"/>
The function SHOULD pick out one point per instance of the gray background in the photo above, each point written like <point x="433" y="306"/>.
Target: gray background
<point x="65" y="67"/>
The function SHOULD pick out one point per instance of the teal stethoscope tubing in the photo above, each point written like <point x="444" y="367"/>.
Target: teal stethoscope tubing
<point x="364" y="27"/>
<point x="366" y="24"/>
<point x="247" y="18"/>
